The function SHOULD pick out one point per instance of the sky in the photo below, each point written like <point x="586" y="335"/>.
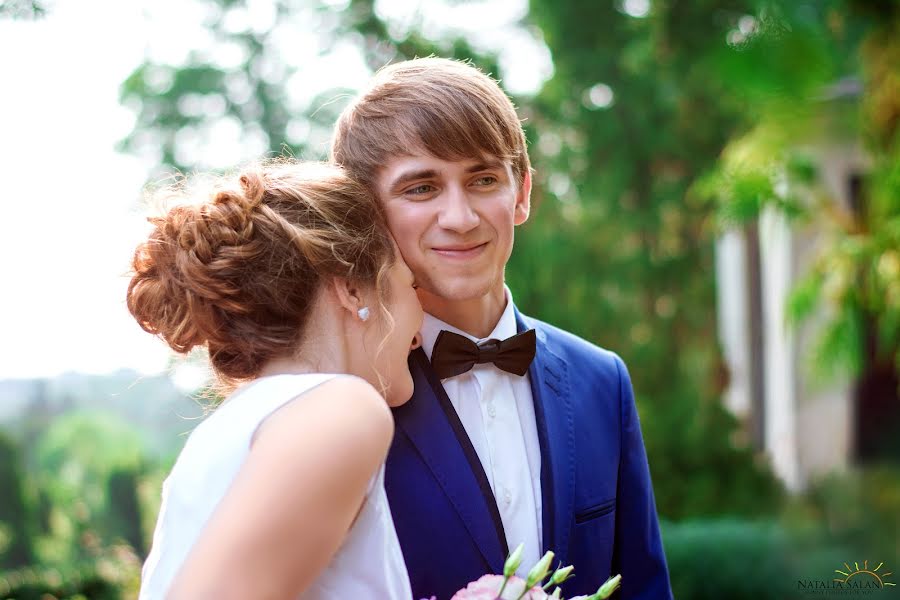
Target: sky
<point x="71" y="215"/>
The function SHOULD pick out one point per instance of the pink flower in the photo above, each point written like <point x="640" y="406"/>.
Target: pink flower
<point x="487" y="587"/>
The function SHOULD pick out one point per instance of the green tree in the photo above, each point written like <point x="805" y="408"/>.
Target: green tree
<point x="15" y="542"/>
<point x="177" y="103"/>
<point x="78" y="457"/>
<point x="840" y="61"/>
<point x="124" y="507"/>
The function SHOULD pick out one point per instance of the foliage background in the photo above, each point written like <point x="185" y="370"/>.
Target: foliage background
<point x="663" y="124"/>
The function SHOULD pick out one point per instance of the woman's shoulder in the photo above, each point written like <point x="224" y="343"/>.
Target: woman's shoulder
<point x="345" y="406"/>
<point x="341" y="392"/>
<point x="351" y="388"/>
<point x="267" y="394"/>
<point x="298" y="403"/>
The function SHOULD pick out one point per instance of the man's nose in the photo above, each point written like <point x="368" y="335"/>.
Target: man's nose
<point x="456" y="212"/>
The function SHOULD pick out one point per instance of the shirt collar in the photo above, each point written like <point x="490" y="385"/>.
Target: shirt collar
<point x="506" y="327"/>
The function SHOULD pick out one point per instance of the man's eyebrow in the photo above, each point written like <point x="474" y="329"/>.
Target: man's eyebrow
<point x="405" y="178"/>
<point x="484" y="165"/>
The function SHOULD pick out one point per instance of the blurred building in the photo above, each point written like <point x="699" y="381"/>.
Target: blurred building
<point x="807" y="428"/>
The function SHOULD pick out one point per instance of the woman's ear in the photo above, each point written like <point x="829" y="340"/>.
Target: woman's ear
<point x="348" y="294"/>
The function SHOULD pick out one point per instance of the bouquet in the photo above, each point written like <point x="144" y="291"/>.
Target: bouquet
<point x="510" y="587"/>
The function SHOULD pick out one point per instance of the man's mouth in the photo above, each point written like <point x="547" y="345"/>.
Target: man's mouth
<point x="461" y="251"/>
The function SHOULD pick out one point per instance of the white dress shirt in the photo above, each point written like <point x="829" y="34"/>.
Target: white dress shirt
<point x="497" y="411"/>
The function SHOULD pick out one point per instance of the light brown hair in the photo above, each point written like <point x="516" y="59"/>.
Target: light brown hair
<point x="444" y="107"/>
<point x="237" y="265"/>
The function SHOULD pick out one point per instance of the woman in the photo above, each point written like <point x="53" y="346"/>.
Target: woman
<point x="288" y="276"/>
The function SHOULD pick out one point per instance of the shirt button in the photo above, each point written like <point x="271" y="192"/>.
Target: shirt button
<point x="507" y="497"/>
<point x="492" y="411"/>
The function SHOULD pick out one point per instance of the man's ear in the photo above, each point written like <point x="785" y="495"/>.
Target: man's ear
<point x="347" y="294"/>
<point x="523" y="200"/>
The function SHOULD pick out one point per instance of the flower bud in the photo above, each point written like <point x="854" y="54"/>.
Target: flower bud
<point x="609" y="587"/>
<point x="513" y="562"/>
<point x="561" y="575"/>
<point x="539" y="571"/>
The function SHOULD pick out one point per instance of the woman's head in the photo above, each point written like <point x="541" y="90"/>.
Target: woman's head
<point x="242" y="265"/>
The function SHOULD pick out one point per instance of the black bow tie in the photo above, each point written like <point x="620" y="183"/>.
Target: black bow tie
<point x="455" y="354"/>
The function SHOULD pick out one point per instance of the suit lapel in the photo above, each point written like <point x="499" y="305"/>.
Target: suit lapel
<point x="556" y="435"/>
<point x="433" y="427"/>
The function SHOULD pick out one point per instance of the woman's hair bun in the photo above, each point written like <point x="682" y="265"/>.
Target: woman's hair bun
<point x="236" y="262"/>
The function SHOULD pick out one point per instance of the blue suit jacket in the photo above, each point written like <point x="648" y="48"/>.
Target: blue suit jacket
<point x="598" y="509"/>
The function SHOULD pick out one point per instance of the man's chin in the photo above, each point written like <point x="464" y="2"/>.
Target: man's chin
<point x="462" y="290"/>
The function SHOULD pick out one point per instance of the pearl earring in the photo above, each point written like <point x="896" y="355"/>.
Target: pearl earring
<point x="363" y="313"/>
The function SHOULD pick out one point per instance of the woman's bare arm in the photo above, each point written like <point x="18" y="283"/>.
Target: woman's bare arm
<point x="294" y="499"/>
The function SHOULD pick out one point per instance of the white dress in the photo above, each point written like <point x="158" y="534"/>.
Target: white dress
<point x="369" y="563"/>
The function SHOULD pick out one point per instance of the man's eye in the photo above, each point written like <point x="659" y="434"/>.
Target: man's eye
<point x="486" y="180"/>
<point x="420" y="189"/>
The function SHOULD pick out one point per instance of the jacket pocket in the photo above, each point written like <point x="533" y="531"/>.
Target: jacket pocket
<point x="598" y="510"/>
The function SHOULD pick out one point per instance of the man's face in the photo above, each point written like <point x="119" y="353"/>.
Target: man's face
<point x="453" y="221"/>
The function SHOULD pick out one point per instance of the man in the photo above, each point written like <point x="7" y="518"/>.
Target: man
<point x="494" y="449"/>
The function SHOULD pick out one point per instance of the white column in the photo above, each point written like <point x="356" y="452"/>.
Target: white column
<point x="780" y="377"/>
<point x="734" y="319"/>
